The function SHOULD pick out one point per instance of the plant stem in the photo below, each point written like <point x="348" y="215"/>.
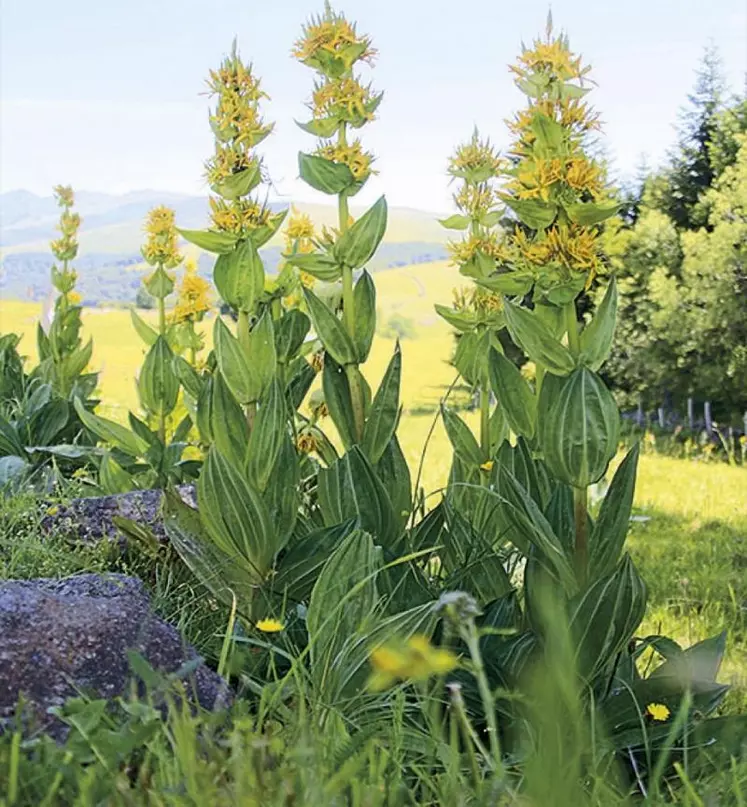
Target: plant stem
<point x="162" y="332"/>
<point x="582" y="538"/>
<point x="471" y="639"/>
<point x="571" y="324"/>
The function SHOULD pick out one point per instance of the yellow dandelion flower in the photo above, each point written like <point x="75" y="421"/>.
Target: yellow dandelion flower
<point x="413" y="660"/>
<point x="487" y="466"/>
<point x="658" y="712"/>
<point x="53" y="510"/>
<point x="269" y="626"/>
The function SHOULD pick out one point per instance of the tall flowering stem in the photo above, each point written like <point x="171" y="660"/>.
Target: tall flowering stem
<point x="331" y="46"/>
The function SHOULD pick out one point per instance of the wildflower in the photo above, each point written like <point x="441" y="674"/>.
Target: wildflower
<point x="307" y="442"/>
<point x="344" y="99"/>
<point x="64" y="195"/>
<point x="299" y="227"/>
<point x="487" y="244"/>
<point x="160" y="248"/>
<point x="331" y="36"/>
<point x="476" y="160"/>
<point x="239" y="216"/>
<point x="193" y="296"/>
<point x="53" y="510"/>
<point x="269" y="626"/>
<point x="350" y="154"/>
<point x="74" y="298"/>
<point x="487" y="466"/>
<point x="657" y="711"/>
<point x="413" y="660"/>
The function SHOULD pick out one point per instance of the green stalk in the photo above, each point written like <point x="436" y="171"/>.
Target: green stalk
<point x="348" y="311"/>
<point x="162" y="332"/>
<point x="580" y="495"/>
<point x="485" y="421"/>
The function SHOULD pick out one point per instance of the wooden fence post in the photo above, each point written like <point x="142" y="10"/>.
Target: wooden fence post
<point x="691" y="413"/>
<point x="708" y="418"/>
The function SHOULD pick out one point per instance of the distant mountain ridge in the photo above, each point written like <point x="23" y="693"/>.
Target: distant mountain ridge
<point x="112" y="233"/>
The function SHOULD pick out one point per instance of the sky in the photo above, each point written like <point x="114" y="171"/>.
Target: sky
<point x="108" y="95"/>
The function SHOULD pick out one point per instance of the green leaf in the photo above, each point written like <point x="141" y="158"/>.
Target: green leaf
<point x="339" y="402"/>
<point x="351" y="489"/>
<point x="536" y="340"/>
<point x="235" y="517"/>
<point x="262" y="234"/>
<point x="330" y="330"/>
<point x="604" y="619"/>
<point x="210" y="240"/>
<point x="12" y="468"/>
<point x="588" y="214"/>
<point x="324" y="128"/>
<point x="461" y="320"/>
<point x="110" y="432"/>
<point x="290" y="331"/>
<point x="699" y="663"/>
<point x="262" y="354"/>
<point x="324" y="175"/>
<point x="461" y="438"/>
<point x="321" y="266"/>
<point x="215" y="569"/>
<point x="596" y="338"/>
<point x="112" y="477"/>
<point x="228" y="428"/>
<point x="611" y="527"/>
<point x="234" y="364"/>
<point x="471" y="357"/>
<point x="515" y="396"/>
<point x="513" y="284"/>
<point x="268" y="432"/>
<point x="384" y="414"/>
<point x="364" y="304"/>
<point x="550" y="135"/>
<point x="359" y="242"/>
<point x="158" y="385"/>
<point x="144" y="331"/>
<point x="532" y="212"/>
<point x="282" y="490"/>
<point x="342" y="602"/>
<point x="455" y="222"/>
<point x="578" y="427"/>
<point x="239" y="184"/>
<point x="188" y="377"/>
<point x="159" y="284"/>
<point x="240" y="276"/>
<point x="394" y="473"/>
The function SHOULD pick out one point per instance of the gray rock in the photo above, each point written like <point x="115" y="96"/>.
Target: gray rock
<point x="92" y="518"/>
<point x="61" y="638"/>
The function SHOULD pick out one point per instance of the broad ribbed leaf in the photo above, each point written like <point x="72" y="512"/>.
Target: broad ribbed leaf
<point x="536" y="340"/>
<point x="210" y="240"/>
<point x="112" y="477"/>
<point x="461" y="438"/>
<point x="268" y="432"/>
<point x="322" y="267"/>
<point x="330" y="330"/>
<point x="364" y="304"/>
<point x="612" y="524"/>
<point x="228" y="429"/>
<point x="337" y="397"/>
<point x="234" y="515"/>
<point x="605" y="617"/>
<point x="534" y="213"/>
<point x="110" y="432"/>
<point x="596" y="338"/>
<point x="290" y="331"/>
<point x="234" y="364"/>
<point x="188" y="377"/>
<point x="158" y="384"/>
<point x="261" y="353"/>
<point x="700" y="662"/>
<point x="144" y="331"/>
<point x="240" y="276"/>
<point x="578" y="427"/>
<point x="359" y="242"/>
<point x="587" y="214"/>
<point x="515" y="397"/>
<point x="324" y="175"/>
<point x="384" y="413"/>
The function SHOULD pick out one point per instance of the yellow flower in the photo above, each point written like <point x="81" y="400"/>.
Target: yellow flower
<point x="307" y="442"/>
<point x="74" y="298"/>
<point x="193" y="296"/>
<point x="657" y="711"/>
<point x="299" y="226"/>
<point x="487" y="466"/>
<point x="352" y="155"/>
<point x="344" y="99"/>
<point x="489" y="244"/>
<point x="53" y="510"/>
<point x="64" y="195"/>
<point x="240" y="216"/>
<point x="413" y="660"/>
<point x="476" y="158"/>
<point x="269" y="626"/>
<point x="160" y="246"/>
<point x="331" y="35"/>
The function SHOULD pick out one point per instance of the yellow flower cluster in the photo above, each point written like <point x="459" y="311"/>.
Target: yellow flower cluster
<point x="551" y="58"/>
<point x="307" y="442"/>
<point x="193" y="295"/>
<point x="413" y="660"/>
<point x="475" y="158"/>
<point x="331" y="36"/>
<point x="299" y="238"/>
<point x="573" y="247"/>
<point x="239" y="216"/>
<point x="344" y="99"/>
<point x="473" y="200"/>
<point x="65" y="248"/>
<point x="488" y="243"/>
<point x="477" y="299"/>
<point x="160" y="247"/>
<point x="540" y="178"/>
<point x="352" y="155"/>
